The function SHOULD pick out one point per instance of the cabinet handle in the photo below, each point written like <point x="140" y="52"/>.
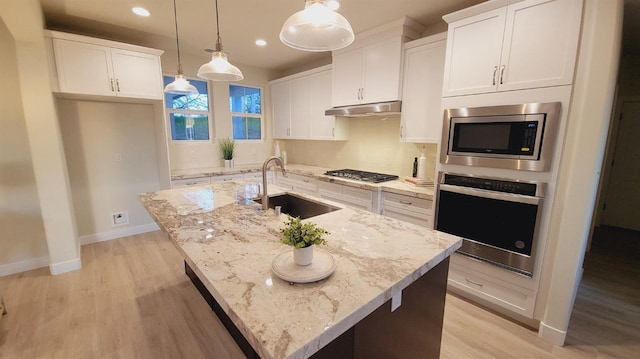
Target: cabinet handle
<point x="112" y="88"/>
<point x="401" y="130"/>
<point x="405" y="202"/>
<point x="191" y="183"/>
<point x="118" y="85"/>
<point x="362" y="94"/>
<point x="502" y="74"/>
<point x="333" y="132"/>
<point x="359" y="94"/>
<point x="474" y="283"/>
<point x="495" y="69"/>
<point x="289" y="131"/>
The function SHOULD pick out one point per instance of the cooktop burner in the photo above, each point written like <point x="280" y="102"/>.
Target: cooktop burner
<point x="362" y="175"/>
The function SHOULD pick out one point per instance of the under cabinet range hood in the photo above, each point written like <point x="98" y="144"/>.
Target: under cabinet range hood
<point x="369" y="109"/>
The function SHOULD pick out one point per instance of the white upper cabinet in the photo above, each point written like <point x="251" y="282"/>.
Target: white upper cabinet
<point x="88" y="66"/>
<point x="421" y="119"/>
<point x="298" y="103"/>
<point x="528" y="44"/>
<point x="368" y="74"/>
<point x="280" y="109"/>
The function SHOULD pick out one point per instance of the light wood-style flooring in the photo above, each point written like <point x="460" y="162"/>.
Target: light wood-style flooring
<point x="131" y="299"/>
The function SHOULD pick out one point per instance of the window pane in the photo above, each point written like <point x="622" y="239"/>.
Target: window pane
<point x="244" y="99"/>
<point x="246" y="128"/>
<point x="198" y="102"/>
<point x="189" y="127"/>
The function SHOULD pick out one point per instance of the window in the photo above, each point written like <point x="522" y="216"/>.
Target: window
<point x="245" y="104"/>
<point x="189" y="114"/>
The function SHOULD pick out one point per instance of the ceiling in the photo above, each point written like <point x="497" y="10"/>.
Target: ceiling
<point x="241" y="23"/>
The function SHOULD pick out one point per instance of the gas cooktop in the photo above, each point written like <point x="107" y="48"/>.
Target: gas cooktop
<point x="361" y="175"/>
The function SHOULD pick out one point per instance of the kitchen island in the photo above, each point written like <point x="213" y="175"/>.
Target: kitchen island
<point x="228" y="243"/>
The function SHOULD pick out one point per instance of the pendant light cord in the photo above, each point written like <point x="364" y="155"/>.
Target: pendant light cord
<point x="218" y="40"/>
<point x="175" y="18"/>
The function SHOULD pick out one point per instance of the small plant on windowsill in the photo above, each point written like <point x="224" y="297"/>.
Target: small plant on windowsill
<point x="227" y="149"/>
<point x="302" y="237"/>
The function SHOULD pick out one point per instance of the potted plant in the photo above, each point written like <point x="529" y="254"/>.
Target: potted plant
<point x="302" y="237"/>
<point x="227" y="148"/>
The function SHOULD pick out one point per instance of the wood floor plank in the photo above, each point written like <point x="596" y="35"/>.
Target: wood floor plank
<point x="131" y="299"/>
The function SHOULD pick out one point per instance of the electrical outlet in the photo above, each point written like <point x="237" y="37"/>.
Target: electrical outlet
<point x="119" y="218"/>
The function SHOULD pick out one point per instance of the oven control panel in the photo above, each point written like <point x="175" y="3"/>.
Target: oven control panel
<point x="498" y="185"/>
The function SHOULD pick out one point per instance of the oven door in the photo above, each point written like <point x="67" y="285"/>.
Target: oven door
<point x="498" y="227"/>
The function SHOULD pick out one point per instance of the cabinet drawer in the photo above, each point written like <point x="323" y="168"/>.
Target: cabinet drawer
<point x="226" y="178"/>
<point x="406" y="202"/>
<point x="513" y="298"/>
<point x="359" y="193"/>
<point x="188" y="182"/>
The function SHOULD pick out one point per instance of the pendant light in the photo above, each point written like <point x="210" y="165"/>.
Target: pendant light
<point x="180" y="85"/>
<point x="317" y="28"/>
<point x="219" y="69"/>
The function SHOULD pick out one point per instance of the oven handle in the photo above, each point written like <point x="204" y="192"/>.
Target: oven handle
<point x="511" y="197"/>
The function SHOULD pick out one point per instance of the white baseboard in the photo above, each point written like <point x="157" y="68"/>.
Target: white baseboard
<point x="23" y="266"/>
<point x="66" y="266"/>
<point x="118" y="233"/>
<point x="552" y="335"/>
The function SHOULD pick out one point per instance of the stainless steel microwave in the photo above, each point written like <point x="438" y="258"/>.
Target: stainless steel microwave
<point x="519" y="137"/>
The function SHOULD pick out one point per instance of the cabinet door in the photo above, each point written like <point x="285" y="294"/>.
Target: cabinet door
<point x="382" y="65"/>
<point x="540" y="45"/>
<point x="137" y="74"/>
<point x="280" y="109"/>
<point x="299" y="104"/>
<point x="421" y="119"/>
<point x="347" y="78"/>
<point x="322" y="126"/>
<point x="83" y="68"/>
<point x="473" y="54"/>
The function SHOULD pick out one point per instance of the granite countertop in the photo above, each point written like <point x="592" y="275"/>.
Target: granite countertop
<point x="230" y="243"/>
<point x="397" y="186"/>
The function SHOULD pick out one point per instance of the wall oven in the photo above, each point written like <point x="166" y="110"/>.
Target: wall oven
<point x="519" y="137"/>
<point x="499" y="218"/>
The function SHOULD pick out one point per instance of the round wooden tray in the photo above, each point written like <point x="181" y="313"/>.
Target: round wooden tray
<point x="323" y="265"/>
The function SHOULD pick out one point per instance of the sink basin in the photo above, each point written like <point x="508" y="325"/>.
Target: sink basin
<point x="297" y="206"/>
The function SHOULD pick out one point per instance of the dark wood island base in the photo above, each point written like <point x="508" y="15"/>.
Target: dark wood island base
<point x="414" y="330"/>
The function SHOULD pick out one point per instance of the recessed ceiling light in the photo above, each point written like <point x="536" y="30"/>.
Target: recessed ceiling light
<point x="141" y="11"/>
<point x="261" y="42"/>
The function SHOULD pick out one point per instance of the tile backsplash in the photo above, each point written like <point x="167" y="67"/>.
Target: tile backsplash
<point x="373" y="145"/>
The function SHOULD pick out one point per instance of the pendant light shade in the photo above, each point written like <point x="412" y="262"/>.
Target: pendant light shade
<point x="180" y="85"/>
<point x="219" y="68"/>
<point x="317" y="28"/>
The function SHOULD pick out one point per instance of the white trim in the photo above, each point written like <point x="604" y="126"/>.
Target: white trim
<point x="23" y="266"/>
<point x="118" y="233"/>
<point x="552" y="335"/>
<point x="66" y="266"/>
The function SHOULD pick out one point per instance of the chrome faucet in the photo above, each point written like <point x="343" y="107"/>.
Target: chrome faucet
<point x="265" y="199"/>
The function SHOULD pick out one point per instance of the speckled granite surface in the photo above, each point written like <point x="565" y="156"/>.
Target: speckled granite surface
<point x="398" y="186"/>
<point x="230" y="243"/>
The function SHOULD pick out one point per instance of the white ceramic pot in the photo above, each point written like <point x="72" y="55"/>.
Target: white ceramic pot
<point x="228" y="163"/>
<point x="303" y="256"/>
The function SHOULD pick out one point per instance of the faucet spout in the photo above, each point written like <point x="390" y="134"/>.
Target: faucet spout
<point x="265" y="198"/>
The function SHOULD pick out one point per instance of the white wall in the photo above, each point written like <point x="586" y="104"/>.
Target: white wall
<point x="373" y="145"/>
<point x="206" y="155"/>
<point x="111" y="154"/>
<point x="23" y="243"/>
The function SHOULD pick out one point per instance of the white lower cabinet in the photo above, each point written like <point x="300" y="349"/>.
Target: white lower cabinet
<point x="257" y="176"/>
<point x="189" y="182"/>
<point x="494" y="285"/>
<point x="226" y="178"/>
<point x="408" y="209"/>
<point x="350" y="196"/>
<point x="297" y="183"/>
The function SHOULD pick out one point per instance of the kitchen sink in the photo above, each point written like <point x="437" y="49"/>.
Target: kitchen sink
<point x="297" y="206"/>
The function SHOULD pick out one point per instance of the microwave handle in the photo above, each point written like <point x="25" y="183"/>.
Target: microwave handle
<point x="502" y="196"/>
